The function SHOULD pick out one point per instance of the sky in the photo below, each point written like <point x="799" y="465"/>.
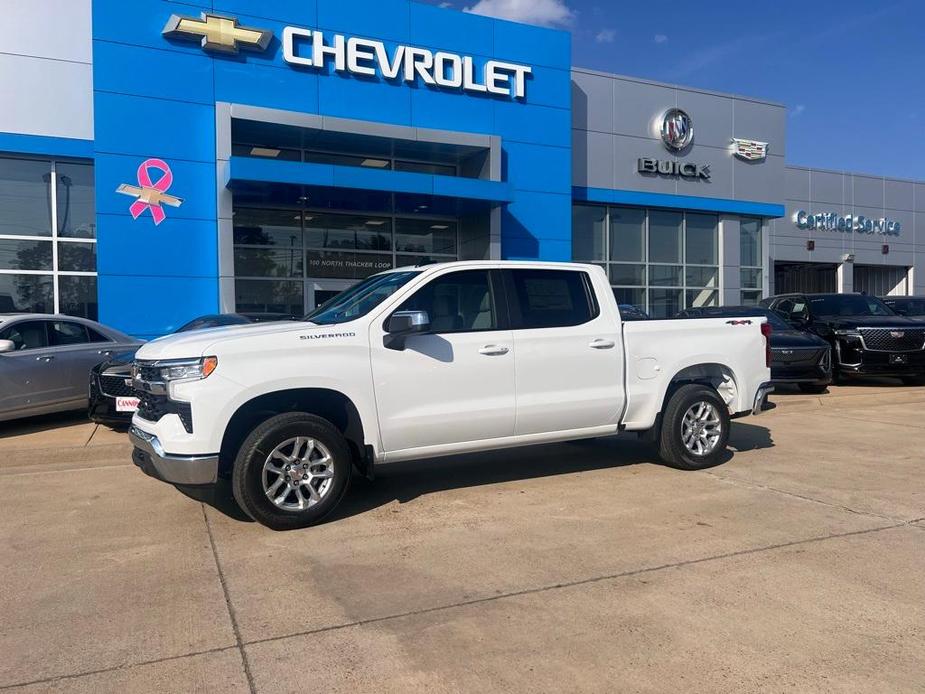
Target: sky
<point x="851" y="72"/>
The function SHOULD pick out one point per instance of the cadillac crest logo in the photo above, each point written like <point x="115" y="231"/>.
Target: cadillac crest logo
<point x="749" y="150"/>
<point x="677" y="129"/>
<point x="897" y="334"/>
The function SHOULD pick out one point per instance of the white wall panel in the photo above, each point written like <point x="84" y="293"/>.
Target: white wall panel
<point x="46" y="97"/>
<point x="46" y="73"/>
<point x="56" y="29"/>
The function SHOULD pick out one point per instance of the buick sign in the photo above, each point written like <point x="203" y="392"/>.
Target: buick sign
<point x="683" y="169"/>
<point x="677" y="129"/>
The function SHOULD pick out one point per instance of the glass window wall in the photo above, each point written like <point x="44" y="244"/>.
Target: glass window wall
<point x="317" y="252"/>
<point x="661" y="261"/>
<point x="752" y="272"/>
<point x="47" y="237"/>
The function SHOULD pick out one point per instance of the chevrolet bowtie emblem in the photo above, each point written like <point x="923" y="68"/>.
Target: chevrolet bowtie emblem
<point x="219" y="34"/>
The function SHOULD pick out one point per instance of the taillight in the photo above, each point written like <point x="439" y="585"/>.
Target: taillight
<point x="766" y="330"/>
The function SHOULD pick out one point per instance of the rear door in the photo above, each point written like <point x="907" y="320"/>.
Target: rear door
<point x="569" y="352"/>
<point x="76" y="350"/>
<point x="456" y="384"/>
<point x="27" y="375"/>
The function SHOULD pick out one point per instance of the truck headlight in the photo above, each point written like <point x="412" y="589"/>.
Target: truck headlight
<point x="187" y="369"/>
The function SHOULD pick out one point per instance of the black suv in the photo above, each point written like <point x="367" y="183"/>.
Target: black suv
<point x="869" y="338"/>
<point x="797" y="357"/>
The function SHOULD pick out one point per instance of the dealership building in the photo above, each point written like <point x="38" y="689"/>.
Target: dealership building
<point x="161" y="160"/>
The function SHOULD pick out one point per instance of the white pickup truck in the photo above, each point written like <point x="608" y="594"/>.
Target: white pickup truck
<point x="432" y="361"/>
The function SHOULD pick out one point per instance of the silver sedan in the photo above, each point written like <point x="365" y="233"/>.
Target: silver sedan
<point x="45" y="361"/>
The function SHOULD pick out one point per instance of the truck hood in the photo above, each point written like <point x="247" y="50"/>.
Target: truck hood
<point x="202" y="343"/>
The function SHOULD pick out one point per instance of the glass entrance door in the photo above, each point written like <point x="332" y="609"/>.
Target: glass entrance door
<point x="319" y="292"/>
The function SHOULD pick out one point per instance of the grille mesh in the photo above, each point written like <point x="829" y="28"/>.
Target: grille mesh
<point x="154" y="407"/>
<point x="894" y="340"/>
<point x="115" y="387"/>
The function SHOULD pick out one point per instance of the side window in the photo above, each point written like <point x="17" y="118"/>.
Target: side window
<point x="27" y="335"/>
<point x="460" y="302"/>
<point x="785" y="306"/>
<point x="63" y="334"/>
<point x="800" y="309"/>
<point x="552" y="298"/>
<point x="97" y="337"/>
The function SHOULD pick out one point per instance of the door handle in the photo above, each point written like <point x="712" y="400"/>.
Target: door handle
<point x="602" y="344"/>
<point x="45" y="359"/>
<point x="494" y="350"/>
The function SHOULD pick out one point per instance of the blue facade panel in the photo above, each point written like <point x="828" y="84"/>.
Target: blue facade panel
<point x="155" y="98"/>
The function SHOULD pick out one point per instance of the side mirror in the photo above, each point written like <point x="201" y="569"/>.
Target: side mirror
<point x="7" y="346"/>
<point x="402" y="325"/>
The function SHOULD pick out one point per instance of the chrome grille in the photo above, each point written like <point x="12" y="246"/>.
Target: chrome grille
<point x="893" y="339"/>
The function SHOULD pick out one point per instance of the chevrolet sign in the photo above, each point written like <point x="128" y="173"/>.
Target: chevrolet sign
<point x="359" y="56"/>
<point x="310" y="48"/>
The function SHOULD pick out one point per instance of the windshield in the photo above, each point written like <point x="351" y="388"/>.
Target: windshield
<point x="908" y="307"/>
<point x="848" y="305"/>
<point x="357" y="301"/>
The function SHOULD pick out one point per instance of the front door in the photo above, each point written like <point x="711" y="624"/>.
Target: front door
<point x="456" y="384"/>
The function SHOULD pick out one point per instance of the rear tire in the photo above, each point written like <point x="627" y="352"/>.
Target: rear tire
<point x="292" y="471"/>
<point x="812" y="388"/>
<point x="695" y="429"/>
<point x="913" y="380"/>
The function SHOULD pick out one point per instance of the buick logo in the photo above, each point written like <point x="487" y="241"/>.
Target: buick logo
<point x="677" y="129"/>
<point x="897" y="334"/>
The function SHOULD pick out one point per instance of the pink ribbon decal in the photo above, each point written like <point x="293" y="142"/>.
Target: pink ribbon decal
<point x="150" y="194"/>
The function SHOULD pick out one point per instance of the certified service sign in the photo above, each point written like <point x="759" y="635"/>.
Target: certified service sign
<point x="677" y="129"/>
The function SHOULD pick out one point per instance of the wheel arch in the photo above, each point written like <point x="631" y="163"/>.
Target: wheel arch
<point x="720" y="377"/>
<point x="332" y="405"/>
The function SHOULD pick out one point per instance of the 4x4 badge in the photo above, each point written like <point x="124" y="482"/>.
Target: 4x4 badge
<point x="217" y="33"/>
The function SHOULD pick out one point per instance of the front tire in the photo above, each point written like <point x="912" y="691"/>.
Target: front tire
<point x="292" y="471"/>
<point x="695" y="429"/>
<point x="913" y="380"/>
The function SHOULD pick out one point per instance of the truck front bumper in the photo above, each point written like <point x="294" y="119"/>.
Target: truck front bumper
<point x="761" y="397"/>
<point x="190" y="470"/>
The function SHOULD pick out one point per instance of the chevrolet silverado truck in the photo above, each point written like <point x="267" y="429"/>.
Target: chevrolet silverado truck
<point x="431" y="361"/>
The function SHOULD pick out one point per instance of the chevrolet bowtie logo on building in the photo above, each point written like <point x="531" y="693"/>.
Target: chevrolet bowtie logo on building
<point x="750" y="150"/>
<point x="218" y="34"/>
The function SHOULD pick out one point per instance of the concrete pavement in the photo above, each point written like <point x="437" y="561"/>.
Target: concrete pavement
<point x="578" y="567"/>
